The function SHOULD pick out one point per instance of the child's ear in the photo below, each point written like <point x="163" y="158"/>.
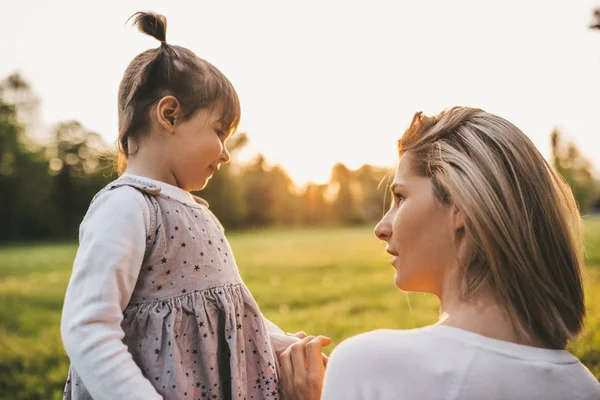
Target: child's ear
<point x="167" y="111"/>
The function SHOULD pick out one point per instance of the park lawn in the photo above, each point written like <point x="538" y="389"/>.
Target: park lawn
<point x="331" y="281"/>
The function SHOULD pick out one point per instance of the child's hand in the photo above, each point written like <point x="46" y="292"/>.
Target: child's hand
<point x="282" y="341"/>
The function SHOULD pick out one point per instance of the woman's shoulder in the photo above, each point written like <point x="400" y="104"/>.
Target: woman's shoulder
<point x="416" y="352"/>
<point x="382" y="363"/>
<point x="385" y="342"/>
<point x="382" y="338"/>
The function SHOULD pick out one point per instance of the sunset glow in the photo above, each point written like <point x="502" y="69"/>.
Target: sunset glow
<point x="324" y="82"/>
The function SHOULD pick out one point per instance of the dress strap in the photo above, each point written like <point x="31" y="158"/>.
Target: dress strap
<point x="149" y="190"/>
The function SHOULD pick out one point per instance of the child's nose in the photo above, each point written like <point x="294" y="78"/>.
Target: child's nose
<point x="225" y="156"/>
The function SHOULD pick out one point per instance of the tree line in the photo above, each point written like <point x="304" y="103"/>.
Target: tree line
<point x="46" y="185"/>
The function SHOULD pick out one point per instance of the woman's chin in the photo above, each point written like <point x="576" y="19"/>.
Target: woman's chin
<point x="401" y="282"/>
<point x="406" y="284"/>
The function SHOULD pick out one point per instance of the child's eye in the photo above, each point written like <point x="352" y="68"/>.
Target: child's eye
<point x="220" y="132"/>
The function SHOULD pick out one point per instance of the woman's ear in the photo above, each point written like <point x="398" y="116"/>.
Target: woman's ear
<point x="168" y="110"/>
<point x="459" y="219"/>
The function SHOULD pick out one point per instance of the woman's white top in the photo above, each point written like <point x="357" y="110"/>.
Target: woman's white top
<point x="445" y="363"/>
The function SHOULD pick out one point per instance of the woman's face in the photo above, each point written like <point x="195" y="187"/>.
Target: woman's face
<point x="419" y="231"/>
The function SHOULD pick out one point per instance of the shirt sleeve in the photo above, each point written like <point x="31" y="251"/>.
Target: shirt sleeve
<point x="384" y="364"/>
<point x="279" y="339"/>
<point x="364" y="367"/>
<point x="112" y="243"/>
<point x="341" y="381"/>
<point x="272" y="328"/>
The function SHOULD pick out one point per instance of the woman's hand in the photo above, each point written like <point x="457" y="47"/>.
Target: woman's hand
<point x="303" y="369"/>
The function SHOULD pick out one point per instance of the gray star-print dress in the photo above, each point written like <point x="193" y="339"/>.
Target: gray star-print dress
<point x="192" y="325"/>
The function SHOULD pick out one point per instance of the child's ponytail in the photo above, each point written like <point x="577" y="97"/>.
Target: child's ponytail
<point x="151" y="24"/>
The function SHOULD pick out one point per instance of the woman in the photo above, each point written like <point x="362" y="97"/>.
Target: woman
<point x="482" y="221"/>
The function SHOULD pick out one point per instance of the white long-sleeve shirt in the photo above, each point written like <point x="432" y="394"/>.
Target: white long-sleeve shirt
<point x="105" y="272"/>
<point x="445" y="363"/>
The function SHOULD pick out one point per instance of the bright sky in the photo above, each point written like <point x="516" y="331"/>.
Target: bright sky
<point x="327" y="81"/>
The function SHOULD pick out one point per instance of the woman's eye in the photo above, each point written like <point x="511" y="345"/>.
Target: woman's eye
<point x="398" y="198"/>
<point x="220" y="133"/>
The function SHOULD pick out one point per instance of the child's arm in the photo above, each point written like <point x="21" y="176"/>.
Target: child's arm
<point x="279" y="339"/>
<point x="111" y="251"/>
<point x="272" y="328"/>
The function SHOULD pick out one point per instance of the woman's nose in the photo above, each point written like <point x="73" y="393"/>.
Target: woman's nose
<point x="383" y="230"/>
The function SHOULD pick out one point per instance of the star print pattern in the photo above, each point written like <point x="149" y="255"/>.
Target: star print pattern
<point x="188" y="302"/>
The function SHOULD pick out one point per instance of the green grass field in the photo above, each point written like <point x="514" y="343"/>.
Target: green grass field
<point x="334" y="281"/>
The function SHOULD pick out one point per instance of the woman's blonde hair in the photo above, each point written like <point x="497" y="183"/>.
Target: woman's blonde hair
<point x="523" y="226"/>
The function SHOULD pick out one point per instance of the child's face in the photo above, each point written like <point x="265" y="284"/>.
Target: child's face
<point x="199" y="148"/>
<point x="419" y="232"/>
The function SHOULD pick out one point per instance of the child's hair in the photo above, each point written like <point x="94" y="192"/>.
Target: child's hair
<point x="169" y="70"/>
<point x="523" y="224"/>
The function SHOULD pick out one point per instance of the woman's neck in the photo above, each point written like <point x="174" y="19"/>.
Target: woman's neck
<point x="483" y="315"/>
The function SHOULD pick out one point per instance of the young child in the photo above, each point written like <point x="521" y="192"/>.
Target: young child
<point x="156" y="307"/>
